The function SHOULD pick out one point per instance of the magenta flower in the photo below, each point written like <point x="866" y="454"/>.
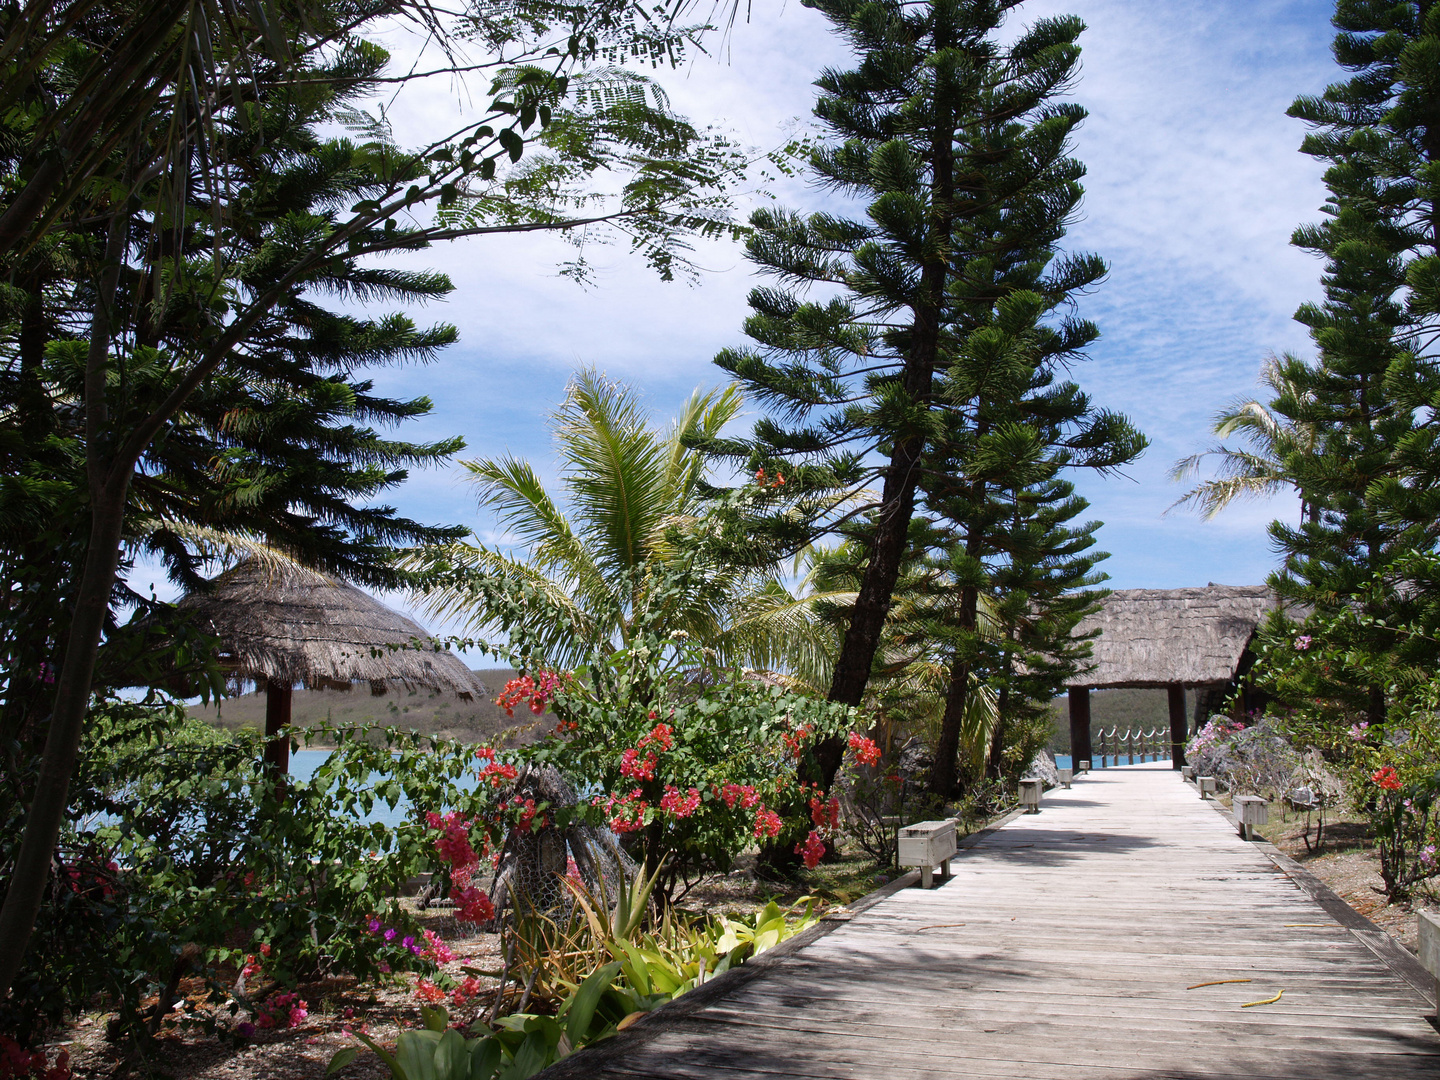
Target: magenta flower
<point x="1302" y="642"/>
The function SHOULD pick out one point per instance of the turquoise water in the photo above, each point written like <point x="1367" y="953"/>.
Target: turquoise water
<point x="1062" y="761"/>
<point x="303" y="764"/>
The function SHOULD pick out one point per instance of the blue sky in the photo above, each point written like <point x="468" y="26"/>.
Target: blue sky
<point x="1194" y="187"/>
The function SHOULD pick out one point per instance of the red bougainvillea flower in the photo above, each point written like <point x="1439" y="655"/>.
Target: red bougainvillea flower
<point x="767" y="823"/>
<point x="539" y="690"/>
<point x="662" y="737"/>
<point x="472" y="905"/>
<point x="468" y="988"/>
<point x="497" y="773"/>
<point x="525" y="808"/>
<point x="625" y="812"/>
<point x="634" y="767"/>
<point x="825" y="815"/>
<point x="743" y="794"/>
<point x="795" y="742"/>
<point x="681" y="805"/>
<point x="812" y="850"/>
<point x="866" y="752"/>
<point x="429" y="993"/>
<point x="1387" y="778"/>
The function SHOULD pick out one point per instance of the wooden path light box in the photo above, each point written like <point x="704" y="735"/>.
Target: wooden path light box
<point x="1430" y="950"/>
<point x="1250" y="810"/>
<point x="928" y="844"/>
<point x="1031" y="789"/>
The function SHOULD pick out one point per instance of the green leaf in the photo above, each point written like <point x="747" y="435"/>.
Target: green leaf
<point x="535" y="1053"/>
<point x="341" y="1059"/>
<point x="485" y="1059"/>
<point x="451" y="1060"/>
<point x="415" y="1051"/>
<point x="582" y="1005"/>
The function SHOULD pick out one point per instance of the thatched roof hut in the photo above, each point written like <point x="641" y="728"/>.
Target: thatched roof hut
<point x="288" y="626"/>
<point x="1173" y="637"/>
<point x="296" y="626"/>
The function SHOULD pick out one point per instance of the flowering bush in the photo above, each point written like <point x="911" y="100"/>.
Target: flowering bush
<point x="689" y="764"/>
<point x="17" y="1063"/>
<point x="1326" y="691"/>
<point x="174" y="836"/>
<point x="286" y="1010"/>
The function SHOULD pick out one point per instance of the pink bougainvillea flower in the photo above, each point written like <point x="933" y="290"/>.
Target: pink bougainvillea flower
<point x="472" y="905"/>
<point x="634" y="767"/>
<point x="436" y="950"/>
<point x="682" y="805"/>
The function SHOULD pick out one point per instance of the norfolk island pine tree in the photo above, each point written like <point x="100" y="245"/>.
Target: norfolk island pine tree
<point x="939" y="125"/>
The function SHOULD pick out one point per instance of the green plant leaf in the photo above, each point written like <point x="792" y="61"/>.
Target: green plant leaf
<point x="581" y="1007"/>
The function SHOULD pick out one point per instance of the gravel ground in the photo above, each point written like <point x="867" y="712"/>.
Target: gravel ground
<point x="335" y="1006"/>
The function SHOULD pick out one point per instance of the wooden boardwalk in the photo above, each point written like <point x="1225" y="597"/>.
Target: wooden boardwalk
<point x="1062" y="949"/>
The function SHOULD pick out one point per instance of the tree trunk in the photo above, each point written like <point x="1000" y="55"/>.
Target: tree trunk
<point x="947" y="747"/>
<point x="62" y="746"/>
<point x="109" y="481"/>
<point x="897" y="506"/>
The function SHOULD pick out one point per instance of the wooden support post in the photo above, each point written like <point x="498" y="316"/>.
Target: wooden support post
<point x="1177" y="725"/>
<point x="1079" y="724"/>
<point x="277" y="720"/>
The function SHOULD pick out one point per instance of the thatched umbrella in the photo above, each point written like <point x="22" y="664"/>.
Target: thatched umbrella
<point x="285" y="626"/>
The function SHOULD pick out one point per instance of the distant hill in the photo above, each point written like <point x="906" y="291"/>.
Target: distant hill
<point x="1118" y="708"/>
<point x="431" y="713"/>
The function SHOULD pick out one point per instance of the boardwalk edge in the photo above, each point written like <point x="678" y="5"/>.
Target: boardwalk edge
<point x="1385" y="948"/>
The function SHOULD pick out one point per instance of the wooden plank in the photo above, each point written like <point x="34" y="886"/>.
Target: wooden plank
<point x="1083" y="927"/>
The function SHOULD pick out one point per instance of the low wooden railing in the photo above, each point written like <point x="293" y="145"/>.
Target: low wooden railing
<point x="1133" y="745"/>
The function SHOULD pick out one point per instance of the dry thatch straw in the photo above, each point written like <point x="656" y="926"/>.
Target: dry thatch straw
<point x="1164" y="637"/>
<point x="287" y="625"/>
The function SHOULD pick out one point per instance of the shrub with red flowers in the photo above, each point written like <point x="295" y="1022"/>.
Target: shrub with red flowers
<point x="1386" y="778"/>
<point x="17" y="1063"/>
<point x="689" y="763"/>
<point x="1323" y="695"/>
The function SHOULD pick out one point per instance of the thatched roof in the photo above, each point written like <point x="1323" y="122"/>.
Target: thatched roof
<point x="297" y="626"/>
<point x="1159" y="637"/>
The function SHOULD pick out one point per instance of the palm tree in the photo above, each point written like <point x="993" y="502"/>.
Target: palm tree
<point x="627" y="488"/>
<point x="1262" y="466"/>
